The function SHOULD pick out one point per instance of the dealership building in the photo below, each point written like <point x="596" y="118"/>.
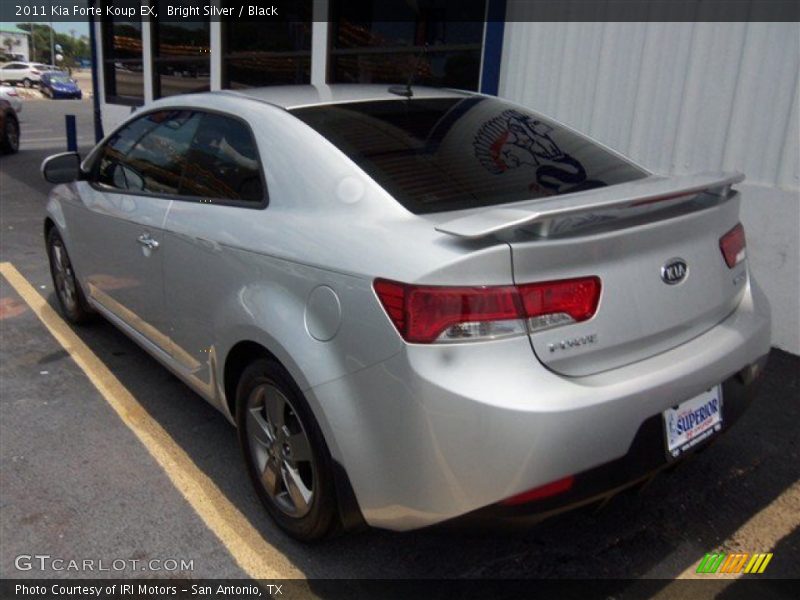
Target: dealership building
<point x="14" y="44"/>
<point x="677" y="97"/>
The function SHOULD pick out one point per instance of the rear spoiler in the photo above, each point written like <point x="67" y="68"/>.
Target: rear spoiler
<point x="634" y="193"/>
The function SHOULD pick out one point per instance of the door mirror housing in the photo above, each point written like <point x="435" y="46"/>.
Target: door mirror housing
<point x="62" y="168"/>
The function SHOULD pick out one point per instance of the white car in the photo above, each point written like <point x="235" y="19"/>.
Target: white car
<point x="25" y="73"/>
<point x="9" y="93"/>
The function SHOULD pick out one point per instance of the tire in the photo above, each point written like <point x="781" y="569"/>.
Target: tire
<point x="68" y="290"/>
<point x="9" y="143"/>
<point x="284" y="469"/>
<point x="27" y="83"/>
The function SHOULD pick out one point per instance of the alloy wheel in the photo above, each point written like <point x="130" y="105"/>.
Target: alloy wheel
<point x="281" y="450"/>
<point x="64" y="277"/>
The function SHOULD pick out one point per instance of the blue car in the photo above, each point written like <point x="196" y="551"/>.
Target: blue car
<point x="59" y="85"/>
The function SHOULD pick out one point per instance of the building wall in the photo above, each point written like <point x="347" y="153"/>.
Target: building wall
<point x="681" y="98"/>
<point x="19" y="44"/>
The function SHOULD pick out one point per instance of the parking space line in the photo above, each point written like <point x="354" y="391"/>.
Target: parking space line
<point x="783" y="509"/>
<point x="249" y="549"/>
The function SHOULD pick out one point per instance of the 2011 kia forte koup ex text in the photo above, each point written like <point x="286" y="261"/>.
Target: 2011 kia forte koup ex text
<point x="414" y="308"/>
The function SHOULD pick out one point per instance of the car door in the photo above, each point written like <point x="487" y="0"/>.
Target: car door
<point x="222" y="189"/>
<point x="119" y="232"/>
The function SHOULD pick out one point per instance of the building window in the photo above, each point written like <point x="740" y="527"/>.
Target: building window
<point x="122" y="61"/>
<point x="380" y="42"/>
<point x="272" y="51"/>
<point x="181" y="56"/>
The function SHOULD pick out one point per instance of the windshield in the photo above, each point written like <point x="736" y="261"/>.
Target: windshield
<point x="445" y="154"/>
<point x="60" y="79"/>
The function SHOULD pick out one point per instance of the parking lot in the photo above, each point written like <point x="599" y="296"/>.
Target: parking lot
<point x="105" y="455"/>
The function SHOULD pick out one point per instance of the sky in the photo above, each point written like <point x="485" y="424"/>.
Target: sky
<point x="80" y="27"/>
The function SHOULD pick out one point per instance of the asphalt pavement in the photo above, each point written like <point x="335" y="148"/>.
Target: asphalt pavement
<point x="76" y="482"/>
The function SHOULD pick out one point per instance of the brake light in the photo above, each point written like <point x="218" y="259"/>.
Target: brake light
<point x="733" y="246"/>
<point x="12" y="93"/>
<point x="560" y="302"/>
<point x="428" y="314"/>
<point x="35" y="72"/>
<point x="549" y="489"/>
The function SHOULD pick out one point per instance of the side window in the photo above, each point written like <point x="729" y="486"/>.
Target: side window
<point x="223" y="162"/>
<point x="161" y="154"/>
<point x="149" y="154"/>
<point x="110" y="167"/>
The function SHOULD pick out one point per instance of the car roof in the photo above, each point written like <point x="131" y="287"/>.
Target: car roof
<point x="296" y="96"/>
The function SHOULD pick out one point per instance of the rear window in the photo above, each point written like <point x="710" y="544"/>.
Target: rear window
<point x="444" y="154"/>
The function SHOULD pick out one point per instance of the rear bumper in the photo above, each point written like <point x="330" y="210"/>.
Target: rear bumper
<point x="436" y="432"/>
<point x="645" y="458"/>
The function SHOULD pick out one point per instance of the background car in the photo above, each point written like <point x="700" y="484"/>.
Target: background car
<point x="9" y="128"/>
<point x="56" y="84"/>
<point x="11" y="95"/>
<point x="26" y="73"/>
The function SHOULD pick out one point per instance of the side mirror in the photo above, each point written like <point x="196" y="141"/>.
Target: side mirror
<point x="62" y="168"/>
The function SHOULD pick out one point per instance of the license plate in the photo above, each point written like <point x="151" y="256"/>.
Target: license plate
<point x="693" y="421"/>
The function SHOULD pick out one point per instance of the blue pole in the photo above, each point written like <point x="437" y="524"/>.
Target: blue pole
<point x="493" y="46"/>
<point x="72" y="138"/>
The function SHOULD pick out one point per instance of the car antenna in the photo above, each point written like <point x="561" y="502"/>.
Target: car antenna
<point x="405" y="90"/>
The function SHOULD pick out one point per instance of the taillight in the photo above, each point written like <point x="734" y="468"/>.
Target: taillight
<point x="12" y="93"/>
<point x="733" y="246"/>
<point x="427" y="314"/>
<point x="35" y="72"/>
<point x="560" y="302"/>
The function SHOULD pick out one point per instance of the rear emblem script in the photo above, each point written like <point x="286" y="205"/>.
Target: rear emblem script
<point x="577" y="342"/>
<point x="674" y="271"/>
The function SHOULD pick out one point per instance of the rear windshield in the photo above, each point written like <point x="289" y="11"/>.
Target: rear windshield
<point x="446" y="154"/>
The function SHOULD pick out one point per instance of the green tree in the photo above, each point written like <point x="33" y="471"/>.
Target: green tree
<point x="73" y="48"/>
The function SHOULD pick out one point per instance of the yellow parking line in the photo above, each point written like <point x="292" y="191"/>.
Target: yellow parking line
<point x="784" y="509"/>
<point x="252" y="553"/>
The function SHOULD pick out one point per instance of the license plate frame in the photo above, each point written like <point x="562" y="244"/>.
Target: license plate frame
<point x="692" y="421"/>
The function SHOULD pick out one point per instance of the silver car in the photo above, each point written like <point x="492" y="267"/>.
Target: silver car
<point x="415" y="308"/>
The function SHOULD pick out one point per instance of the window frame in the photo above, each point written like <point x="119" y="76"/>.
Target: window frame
<point x="109" y="63"/>
<point x="94" y="163"/>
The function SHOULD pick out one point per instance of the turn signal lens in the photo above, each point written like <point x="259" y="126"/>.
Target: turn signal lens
<point x="733" y="246"/>
<point x="427" y="314"/>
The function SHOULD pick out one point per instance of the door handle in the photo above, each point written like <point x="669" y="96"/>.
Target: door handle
<point x="146" y="241"/>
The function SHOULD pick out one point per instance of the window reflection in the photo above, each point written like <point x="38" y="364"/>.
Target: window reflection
<point x="223" y="162"/>
<point x="205" y="155"/>
<point x="379" y="42"/>
<point x="149" y="154"/>
<point x="122" y="60"/>
<point x="181" y="56"/>
<point x="270" y="52"/>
